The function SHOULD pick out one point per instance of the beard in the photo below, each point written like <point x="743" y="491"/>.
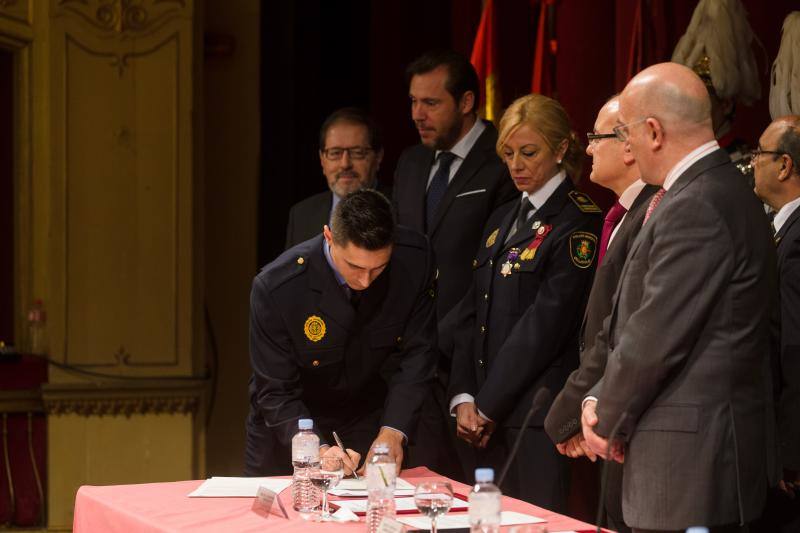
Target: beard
<point x="448" y="135"/>
<point x="346" y="183"/>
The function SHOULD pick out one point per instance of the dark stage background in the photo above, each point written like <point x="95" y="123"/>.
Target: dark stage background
<point x="318" y="55"/>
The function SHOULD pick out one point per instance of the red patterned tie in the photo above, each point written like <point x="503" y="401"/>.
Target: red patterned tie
<point x="613" y="217"/>
<point x="654" y="201"/>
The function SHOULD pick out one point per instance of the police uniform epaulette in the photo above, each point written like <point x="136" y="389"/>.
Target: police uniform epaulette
<point x="283" y="269"/>
<point x="583" y="202"/>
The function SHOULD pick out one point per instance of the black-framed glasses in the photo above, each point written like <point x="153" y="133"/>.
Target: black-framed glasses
<point x="623" y="130"/>
<point x="758" y="152"/>
<point x="596" y="137"/>
<point x="354" y="152"/>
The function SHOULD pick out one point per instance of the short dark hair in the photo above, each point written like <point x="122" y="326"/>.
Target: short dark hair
<point x="461" y="75"/>
<point x="789" y="142"/>
<point x="352" y="115"/>
<point x="365" y="219"/>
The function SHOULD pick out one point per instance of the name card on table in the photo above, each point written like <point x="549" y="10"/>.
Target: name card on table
<point x="390" y="525"/>
<point x="264" y="502"/>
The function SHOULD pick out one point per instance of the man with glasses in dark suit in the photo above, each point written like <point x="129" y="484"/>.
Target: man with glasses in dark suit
<point x="350" y="153"/>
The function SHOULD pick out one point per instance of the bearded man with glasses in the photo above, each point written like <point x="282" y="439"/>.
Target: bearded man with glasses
<point x="350" y="153"/>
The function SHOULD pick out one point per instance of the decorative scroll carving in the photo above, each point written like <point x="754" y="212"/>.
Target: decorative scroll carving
<point x="125" y="398"/>
<point x="124" y="16"/>
<point x="122" y="406"/>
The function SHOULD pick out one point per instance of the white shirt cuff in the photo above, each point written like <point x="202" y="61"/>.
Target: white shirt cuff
<point x="460" y="398"/>
<point x="588" y="399"/>
<point x="405" y="437"/>
<point x="464" y="398"/>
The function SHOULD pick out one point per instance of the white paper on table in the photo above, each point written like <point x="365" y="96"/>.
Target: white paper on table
<point x="400" y="504"/>
<point x="358" y="487"/>
<point x="345" y="515"/>
<point x="507" y="518"/>
<point x="232" y="487"/>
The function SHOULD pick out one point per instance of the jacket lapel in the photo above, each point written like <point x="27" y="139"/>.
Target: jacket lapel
<point x="419" y="189"/>
<point x="786" y="225"/>
<point x="551" y="207"/>
<point x="476" y="158"/>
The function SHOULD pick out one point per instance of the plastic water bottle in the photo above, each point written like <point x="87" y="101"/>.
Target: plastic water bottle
<point x="381" y="480"/>
<point x="305" y="456"/>
<point x="484" y="503"/>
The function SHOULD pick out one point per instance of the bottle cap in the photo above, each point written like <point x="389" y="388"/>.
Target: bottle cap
<point x="381" y="449"/>
<point x="697" y="529"/>
<point x="484" y="475"/>
<point x="305" y="423"/>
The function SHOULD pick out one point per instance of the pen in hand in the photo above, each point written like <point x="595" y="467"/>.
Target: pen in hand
<point x="341" y="445"/>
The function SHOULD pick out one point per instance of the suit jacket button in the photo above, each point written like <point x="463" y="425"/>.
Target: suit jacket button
<point x="399" y="340"/>
<point x="474" y="263"/>
<point x="480" y="362"/>
<point x="491" y="262"/>
<point x="300" y="260"/>
<point x="315" y="362"/>
<point x="483" y="329"/>
<point x="485" y="295"/>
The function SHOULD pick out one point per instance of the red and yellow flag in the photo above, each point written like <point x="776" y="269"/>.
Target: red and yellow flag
<point x="484" y="60"/>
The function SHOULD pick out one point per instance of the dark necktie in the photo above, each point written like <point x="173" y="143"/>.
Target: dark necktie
<point x="654" y="201"/>
<point x="438" y="185"/>
<point x="525" y="209"/>
<point x="613" y="217"/>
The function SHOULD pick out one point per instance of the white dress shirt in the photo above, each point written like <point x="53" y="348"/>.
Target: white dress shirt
<point x="461" y="150"/>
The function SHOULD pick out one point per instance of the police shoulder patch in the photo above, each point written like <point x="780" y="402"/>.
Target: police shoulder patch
<point x="583" y="202"/>
<point x="582" y="248"/>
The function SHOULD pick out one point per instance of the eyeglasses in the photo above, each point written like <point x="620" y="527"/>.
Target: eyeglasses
<point x="623" y="130"/>
<point x="355" y="152"/>
<point x="594" y="138"/>
<point x="758" y="152"/>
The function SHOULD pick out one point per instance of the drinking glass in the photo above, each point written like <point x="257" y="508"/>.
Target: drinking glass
<point x="433" y="498"/>
<point x="324" y="477"/>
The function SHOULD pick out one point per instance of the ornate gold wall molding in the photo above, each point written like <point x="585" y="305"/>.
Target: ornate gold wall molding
<point x="124" y="16"/>
<point x="151" y="397"/>
<point x="17" y="11"/>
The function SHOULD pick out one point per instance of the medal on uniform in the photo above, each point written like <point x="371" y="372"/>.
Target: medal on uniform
<point x="506" y="268"/>
<point x="541" y="232"/>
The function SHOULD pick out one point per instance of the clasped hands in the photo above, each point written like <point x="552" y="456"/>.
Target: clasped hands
<point x="590" y="444"/>
<point x="471" y="426"/>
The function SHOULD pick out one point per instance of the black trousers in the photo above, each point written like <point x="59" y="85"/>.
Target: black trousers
<point x="538" y="474"/>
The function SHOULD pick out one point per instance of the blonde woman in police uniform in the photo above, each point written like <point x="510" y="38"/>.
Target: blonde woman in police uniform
<point x="518" y="323"/>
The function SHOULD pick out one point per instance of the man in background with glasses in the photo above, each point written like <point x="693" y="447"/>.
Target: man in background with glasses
<point x="350" y="152"/>
<point x="613" y="167"/>
<point x="685" y="397"/>
<point x="776" y="165"/>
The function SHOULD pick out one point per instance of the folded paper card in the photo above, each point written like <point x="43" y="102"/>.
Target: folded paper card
<point x="233" y="487"/>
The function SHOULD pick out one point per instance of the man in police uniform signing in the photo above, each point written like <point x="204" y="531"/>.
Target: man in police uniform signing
<point x="342" y="330"/>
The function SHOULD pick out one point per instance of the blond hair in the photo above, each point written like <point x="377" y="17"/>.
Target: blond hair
<point x="549" y="119"/>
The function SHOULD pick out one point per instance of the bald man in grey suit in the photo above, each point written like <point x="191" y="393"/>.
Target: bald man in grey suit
<point x="687" y="383"/>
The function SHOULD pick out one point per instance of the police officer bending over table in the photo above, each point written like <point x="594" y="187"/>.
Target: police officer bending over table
<point x="342" y="330"/>
<point x="519" y="321"/>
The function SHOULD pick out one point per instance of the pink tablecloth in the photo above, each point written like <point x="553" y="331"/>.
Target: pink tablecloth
<point x="165" y="507"/>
